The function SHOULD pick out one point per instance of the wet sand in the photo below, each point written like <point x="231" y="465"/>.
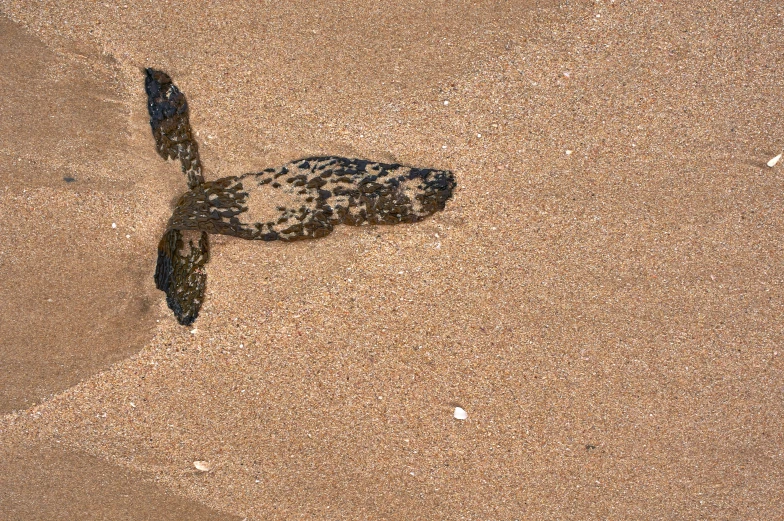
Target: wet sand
<point x="41" y="482"/>
<point x="76" y="297"/>
<point x="602" y="296"/>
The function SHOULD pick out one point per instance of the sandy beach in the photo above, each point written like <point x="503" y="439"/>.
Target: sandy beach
<point x="602" y="295"/>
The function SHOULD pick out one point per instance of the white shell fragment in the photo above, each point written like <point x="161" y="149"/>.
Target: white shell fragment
<point x="202" y="466"/>
<point x="460" y="413"/>
<point x="773" y="161"/>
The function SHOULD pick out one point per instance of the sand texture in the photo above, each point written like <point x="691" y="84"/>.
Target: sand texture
<point x="602" y="296"/>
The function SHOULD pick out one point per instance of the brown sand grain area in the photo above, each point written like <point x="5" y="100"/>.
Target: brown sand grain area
<point x="602" y="296"/>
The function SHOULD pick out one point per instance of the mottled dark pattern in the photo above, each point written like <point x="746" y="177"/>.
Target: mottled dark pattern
<point x="320" y="193"/>
<point x="180" y="273"/>
<point x="303" y="199"/>
<point x="170" y="125"/>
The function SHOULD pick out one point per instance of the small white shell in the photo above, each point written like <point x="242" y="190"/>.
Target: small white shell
<point x="460" y="413"/>
<point x="202" y="466"/>
<point x="773" y="161"/>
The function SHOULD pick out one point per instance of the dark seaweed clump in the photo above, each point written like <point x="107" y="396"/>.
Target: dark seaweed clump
<point x="319" y="193"/>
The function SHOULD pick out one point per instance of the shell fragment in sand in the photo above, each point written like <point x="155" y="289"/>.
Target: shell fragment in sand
<point x="773" y="161"/>
<point x="460" y="413"/>
<point x="202" y="466"/>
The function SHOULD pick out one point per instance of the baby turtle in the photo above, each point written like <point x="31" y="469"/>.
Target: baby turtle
<point x="303" y="199"/>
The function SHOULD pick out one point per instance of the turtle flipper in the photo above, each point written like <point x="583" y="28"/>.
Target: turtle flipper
<point x="180" y="273"/>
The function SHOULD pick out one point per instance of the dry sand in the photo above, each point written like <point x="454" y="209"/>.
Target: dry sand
<point x="603" y="296"/>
